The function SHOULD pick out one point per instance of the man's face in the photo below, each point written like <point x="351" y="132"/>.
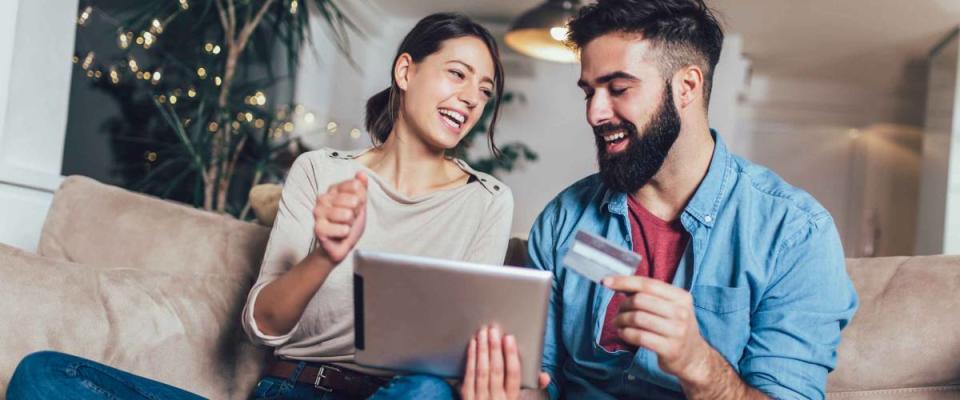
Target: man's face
<point x="625" y="90"/>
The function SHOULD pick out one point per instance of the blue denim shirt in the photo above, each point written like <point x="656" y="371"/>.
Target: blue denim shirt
<point x="764" y="266"/>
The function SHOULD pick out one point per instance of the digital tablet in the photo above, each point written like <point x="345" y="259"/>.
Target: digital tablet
<point x="417" y="314"/>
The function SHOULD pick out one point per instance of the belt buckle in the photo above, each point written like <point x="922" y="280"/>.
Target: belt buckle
<point x="321" y="375"/>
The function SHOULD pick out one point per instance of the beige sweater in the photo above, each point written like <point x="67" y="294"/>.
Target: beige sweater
<point x="470" y="222"/>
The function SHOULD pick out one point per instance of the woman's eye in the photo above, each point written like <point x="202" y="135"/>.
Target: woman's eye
<point x="458" y="74"/>
<point x="487" y="92"/>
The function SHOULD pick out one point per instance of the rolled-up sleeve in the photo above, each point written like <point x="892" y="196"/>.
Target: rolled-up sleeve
<point x="795" y="329"/>
<point x="291" y="239"/>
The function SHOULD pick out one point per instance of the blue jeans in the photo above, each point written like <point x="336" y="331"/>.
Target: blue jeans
<point x="53" y="375"/>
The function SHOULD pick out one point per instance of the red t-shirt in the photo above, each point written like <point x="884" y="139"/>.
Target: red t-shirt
<point x="661" y="244"/>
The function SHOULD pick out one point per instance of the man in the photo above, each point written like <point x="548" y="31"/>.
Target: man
<point x="742" y="291"/>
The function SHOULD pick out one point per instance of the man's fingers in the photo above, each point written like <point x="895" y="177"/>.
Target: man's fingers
<point x="644" y="338"/>
<point x="511" y="356"/>
<point x="648" y="322"/>
<point x="636" y="284"/>
<point x="649" y="303"/>
<point x="496" y="360"/>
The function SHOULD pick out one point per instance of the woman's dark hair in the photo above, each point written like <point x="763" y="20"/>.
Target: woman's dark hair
<point x="425" y="39"/>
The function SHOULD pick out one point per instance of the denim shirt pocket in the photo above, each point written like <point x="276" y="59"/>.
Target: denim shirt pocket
<point x="723" y="314"/>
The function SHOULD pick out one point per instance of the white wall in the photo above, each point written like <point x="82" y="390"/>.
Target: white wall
<point x="940" y="187"/>
<point x="36" y="43"/>
<point x="551" y="120"/>
<point x="849" y="146"/>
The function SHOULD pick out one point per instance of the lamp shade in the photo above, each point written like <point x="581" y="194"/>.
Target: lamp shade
<point x="540" y="32"/>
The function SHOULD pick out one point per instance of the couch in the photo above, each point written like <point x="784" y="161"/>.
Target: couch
<point x="156" y="288"/>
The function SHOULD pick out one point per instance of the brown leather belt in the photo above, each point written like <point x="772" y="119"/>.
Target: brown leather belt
<point x="329" y="378"/>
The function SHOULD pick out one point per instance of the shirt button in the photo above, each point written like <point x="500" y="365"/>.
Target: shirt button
<point x="708" y="218"/>
<point x="335" y="154"/>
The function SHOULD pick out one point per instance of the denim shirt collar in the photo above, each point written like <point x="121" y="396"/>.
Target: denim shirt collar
<point x="705" y="203"/>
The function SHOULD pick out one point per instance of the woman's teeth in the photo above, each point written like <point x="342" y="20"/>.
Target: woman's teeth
<point x="457" y="119"/>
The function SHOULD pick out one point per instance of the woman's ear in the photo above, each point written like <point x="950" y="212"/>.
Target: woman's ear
<point x="402" y="70"/>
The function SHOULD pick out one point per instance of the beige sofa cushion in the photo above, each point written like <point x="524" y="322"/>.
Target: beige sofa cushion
<point x="176" y="329"/>
<point x="906" y="334"/>
<point x="93" y="223"/>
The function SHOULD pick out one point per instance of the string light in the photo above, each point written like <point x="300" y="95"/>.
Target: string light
<point x="114" y="76"/>
<point x="173" y="100"/>
<point x="332" y="127"/>
<point x="184" y="5"/>
<point x="151" y="156"/>
<point x="216" y="49"/>
<point x="355" y="133"/>
<point x="162" y="99"/>
<point x="76" y="59"/>
<point x="217" y="81"/>
<point x="148" y="40"/>
<point x="308" y="118"/>
<point x="139" y="75"/>
<point x="288" y="126"/>
<point x="202" y="73"/>
<point x="235" y="125"/>
<point x="156" y="27"/>
<point x="248" y="116"/>
<point x="156" y="77"/>
<point x="123" y="40"/>
<point x="191" y="93"/>
<point x="139" y="40"/>
<point x="132" y="63"/>
<point x="258" y="123"/>
<point x="212" y="127"/>
<point x="89" y="74"/>
<point x="97" y="74"/>
<point x="293" y="7"/>
<point x="88" y="60"/>
<point x="208" y="47"/>
<point x="84" y="16"/>
<point x="147" y="75"/>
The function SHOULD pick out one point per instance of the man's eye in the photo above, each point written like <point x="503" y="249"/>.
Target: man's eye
<point x="617" y="91"/>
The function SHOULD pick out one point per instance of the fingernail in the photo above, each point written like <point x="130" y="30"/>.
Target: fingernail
<point x="605" y="281"/>
<point x="494" y="331"/>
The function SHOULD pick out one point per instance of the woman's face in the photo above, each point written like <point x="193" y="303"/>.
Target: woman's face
<point x="444" y="94"/>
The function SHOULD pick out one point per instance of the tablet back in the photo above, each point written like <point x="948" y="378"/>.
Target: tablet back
<point x="417" y="314"/>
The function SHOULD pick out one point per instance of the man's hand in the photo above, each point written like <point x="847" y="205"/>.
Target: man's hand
<point x="660" y="317"/>
<point x="340" y="216"/>
<point x="493" y="367"/>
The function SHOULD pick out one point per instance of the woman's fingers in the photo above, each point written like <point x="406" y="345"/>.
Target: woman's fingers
<point x="482" y="383"/>
<point x="468" y="387"/>
<point x="511" y="357"/>
<point x="496" y="360"/>
<point x="544" y="380"/>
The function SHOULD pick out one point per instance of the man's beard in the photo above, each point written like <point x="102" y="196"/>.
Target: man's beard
<point x="634" y="166"/>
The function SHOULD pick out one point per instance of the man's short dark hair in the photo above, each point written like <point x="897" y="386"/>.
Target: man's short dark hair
<point x="686" y="32"/>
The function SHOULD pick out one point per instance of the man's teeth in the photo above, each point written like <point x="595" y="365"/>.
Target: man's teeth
<point x="454" y="116"/>
<point x="614" y="137"/>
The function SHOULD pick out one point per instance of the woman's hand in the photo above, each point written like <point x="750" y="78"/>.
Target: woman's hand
<point x="340" y="216"/>
<point x="493" y="367"/>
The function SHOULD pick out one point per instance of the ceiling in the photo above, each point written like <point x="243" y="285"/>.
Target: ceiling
<point x="864" y="42"/>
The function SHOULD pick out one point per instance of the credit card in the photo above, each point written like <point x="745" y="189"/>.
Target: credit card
<point x="595" y="257"/>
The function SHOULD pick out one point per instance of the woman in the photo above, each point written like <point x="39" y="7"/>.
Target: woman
<point x="402" y="195"/>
